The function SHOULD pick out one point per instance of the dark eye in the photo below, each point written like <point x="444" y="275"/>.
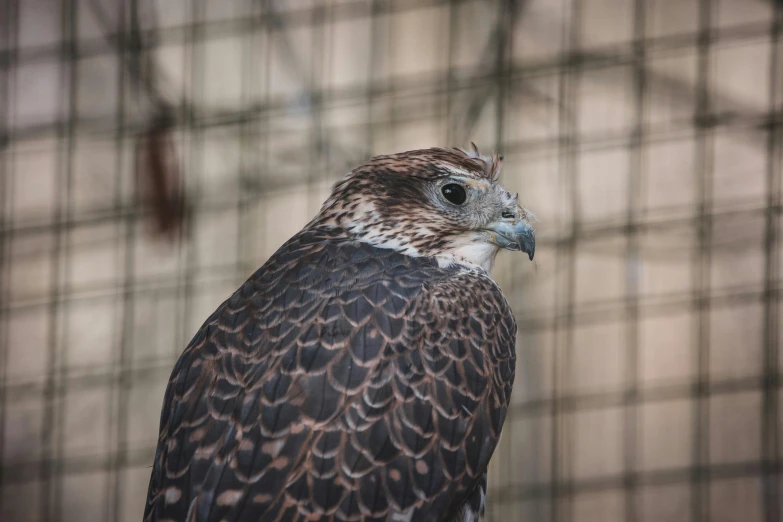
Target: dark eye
<point x="454" y="193"/>
<point x="507" y="214"/>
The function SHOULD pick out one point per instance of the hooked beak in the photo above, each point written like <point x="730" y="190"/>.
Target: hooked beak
<point x="512" y="235"/>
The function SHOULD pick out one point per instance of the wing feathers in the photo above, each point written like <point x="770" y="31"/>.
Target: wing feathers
<point x="343" y="381"/>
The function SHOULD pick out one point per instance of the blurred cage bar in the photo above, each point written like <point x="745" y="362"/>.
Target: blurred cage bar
<point x="645" y="134"/>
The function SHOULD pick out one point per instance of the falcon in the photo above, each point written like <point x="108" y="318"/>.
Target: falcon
<point x="363" y="373"/>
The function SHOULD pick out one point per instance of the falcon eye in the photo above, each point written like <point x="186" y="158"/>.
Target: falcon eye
<point x="454" y="193"/>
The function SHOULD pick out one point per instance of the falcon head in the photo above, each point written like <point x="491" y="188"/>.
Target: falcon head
<point x="444" y="203"/>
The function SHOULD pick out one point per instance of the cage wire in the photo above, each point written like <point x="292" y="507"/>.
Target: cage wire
<point x="154" y="154"/>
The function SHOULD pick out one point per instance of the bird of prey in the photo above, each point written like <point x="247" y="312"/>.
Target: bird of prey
<point x="363" y="373"/>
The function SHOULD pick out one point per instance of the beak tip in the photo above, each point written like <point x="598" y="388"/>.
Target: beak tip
<point x="518" y="237"/>
<point x="530" y="243"/>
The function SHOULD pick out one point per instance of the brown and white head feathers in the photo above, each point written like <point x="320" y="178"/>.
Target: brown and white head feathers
<point x="490" y="164"/>
<point x="395" y="201"/>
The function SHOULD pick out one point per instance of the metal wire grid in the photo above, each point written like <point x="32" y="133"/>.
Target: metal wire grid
<point x="649" y="379"/>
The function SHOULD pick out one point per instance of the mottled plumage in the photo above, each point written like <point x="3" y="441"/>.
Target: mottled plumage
<point x="348" y="379"/>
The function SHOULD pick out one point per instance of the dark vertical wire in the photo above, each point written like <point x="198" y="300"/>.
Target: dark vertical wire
<point x="369" y="87"/>
<point x="450" y="80"/>
<point x="562" y="425"/>
<point x="770" y="436"/>
<point x="7" y="177"/>
<point x="391" y="125"/>
<point x="372" y="70"/>
<point x="327" y="147"/>
<point x="313" y="85"/>
<point x="56" y="386"/>
<point x="125" y="249"/>
<point x="48" y="424"/>
<point x="502" y="70"/>
<point x="264" y="127"/>
<point x="185" y="116"/>
<point x="635" y="179"/>
<point x="702" y="270"/>
<point x="194" y="59"/>
<point x="247" y="80"/>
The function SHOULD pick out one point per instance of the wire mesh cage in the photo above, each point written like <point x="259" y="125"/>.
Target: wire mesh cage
<point x="154" y="153"/>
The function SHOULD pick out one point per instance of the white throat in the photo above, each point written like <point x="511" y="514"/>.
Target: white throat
<point x="479" y="254"/>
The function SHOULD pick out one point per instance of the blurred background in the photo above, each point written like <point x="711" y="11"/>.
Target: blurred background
<point x="153" y="154"/>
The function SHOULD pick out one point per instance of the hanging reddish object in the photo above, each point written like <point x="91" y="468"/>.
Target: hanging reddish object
<point x="158" y="176"/>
